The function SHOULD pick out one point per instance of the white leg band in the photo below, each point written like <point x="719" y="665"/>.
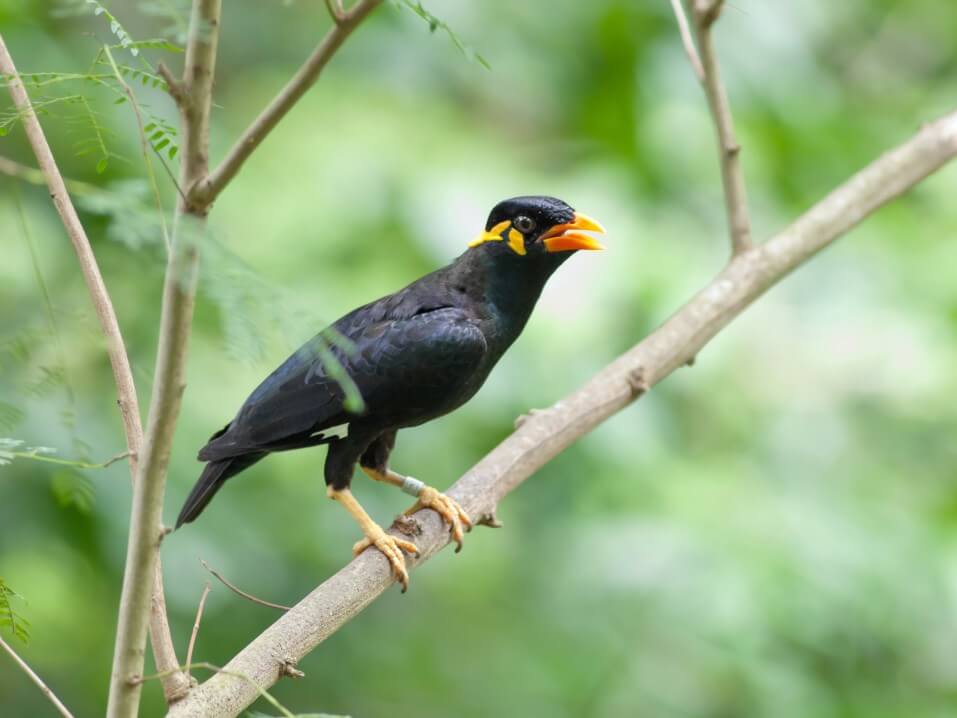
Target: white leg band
<point x="412" y="486"/>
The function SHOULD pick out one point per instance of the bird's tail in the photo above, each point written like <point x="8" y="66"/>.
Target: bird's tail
<point x="212" y="478"/>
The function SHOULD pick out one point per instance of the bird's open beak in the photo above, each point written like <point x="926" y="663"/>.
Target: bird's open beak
<point x="560" y="239"/>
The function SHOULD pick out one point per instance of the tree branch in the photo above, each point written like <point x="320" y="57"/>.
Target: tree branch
<point x="175" y="682"/>
<point x="105" y="314"/>
<point x="51" y="696"/>
<point x="732" y="178"/>
<point x="546" y="433"/>
<point x="179" y="291"/>
<point x="686" y="40"/>
<point x="343" y="25"/>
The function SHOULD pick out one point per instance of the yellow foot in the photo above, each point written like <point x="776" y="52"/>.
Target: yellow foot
<point x="390" y="547"/>
<point x="446" y="507"/>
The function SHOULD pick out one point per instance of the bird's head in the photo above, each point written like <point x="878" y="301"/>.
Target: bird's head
<point x="536" y="227"/>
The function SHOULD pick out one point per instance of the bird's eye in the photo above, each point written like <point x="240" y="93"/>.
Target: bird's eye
<point x="524" y="224"/>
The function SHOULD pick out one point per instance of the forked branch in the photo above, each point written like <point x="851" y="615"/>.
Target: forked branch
<point x="686" y="39"/>
<point x="344" y="22"/>
<point x="704" y="62"/>
<point x="545" y="434"/>
<point x="193" y="96"/>
<point x="174" y="682"/>
<point x="179" y="291"/>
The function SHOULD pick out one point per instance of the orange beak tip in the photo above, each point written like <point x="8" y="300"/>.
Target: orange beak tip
<point x="584" y="222"/>
<point x="572" y="241"/>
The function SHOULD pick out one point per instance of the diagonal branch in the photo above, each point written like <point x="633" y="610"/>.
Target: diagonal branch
<point x="686" y="39"/>
<point x="545" y="434"/>
<point x="174" y="682"/>
<point x="344" y="22"/>
<point x="705" y="14"/>
<point x="51" y="696"/>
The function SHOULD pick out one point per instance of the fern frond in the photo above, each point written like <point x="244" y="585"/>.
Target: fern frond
<point x="41" y="106"/>
<point x="249" y="306"/>
<point x="45" y="79"/>
<point x="147" y="78"/>
<point x="51" y="378"/>
<point x="125" y="40"/>
<point x="436" y="24"/>
<point x="12" y="449"/>
<point x="9" y="618"/>
<point x="99" y="134"/>
<point x="154" y="43"/>
<point x="71" y="488"/>
<point x="131" y="220"/>
<point x="19" y="348"/>
<point x="10" y="416"/>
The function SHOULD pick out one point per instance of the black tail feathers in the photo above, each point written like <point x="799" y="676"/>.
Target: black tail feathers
<point x="210" y="481"/>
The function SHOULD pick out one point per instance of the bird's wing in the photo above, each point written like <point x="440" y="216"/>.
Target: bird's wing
<point x="416" y="363"/>
<point x="398" y="362"/>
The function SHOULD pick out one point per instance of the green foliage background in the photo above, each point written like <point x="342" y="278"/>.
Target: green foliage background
<point x="770" y="533"/>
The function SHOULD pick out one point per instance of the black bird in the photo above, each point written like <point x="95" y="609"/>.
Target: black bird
<point x="416" y="355"/>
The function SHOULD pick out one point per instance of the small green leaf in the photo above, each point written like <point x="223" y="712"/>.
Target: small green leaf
<point x="9" y="618"/>
<point x="101" y="165"/>
<point x="119" y="100"/>
<point x="172" y="151"/>
<point x="162" y="144"/>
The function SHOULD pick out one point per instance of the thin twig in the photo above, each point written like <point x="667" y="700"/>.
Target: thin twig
<point x="304" y="78"/>
<point x="199" y="617"/>
<point x="173" y="86"/>
<point x="51" y="696"/>
<point x="69" y="462"/>
<point x="705" y="13"/>
<point x="546" y="434"/>
<point x="145" y="145"/>
<point x="336" y="11"/>
<point x="685" y="32"/>
<point x="248" y="596"/>
<point x="162" y="640"/>
<point x="261" y="692"/>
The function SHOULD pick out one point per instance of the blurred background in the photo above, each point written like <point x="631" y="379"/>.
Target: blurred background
<point x="770" y="533"/>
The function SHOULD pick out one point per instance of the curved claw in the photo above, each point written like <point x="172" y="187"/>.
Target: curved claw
<point x="446" y="507"/>
<point x="391" y="547"/>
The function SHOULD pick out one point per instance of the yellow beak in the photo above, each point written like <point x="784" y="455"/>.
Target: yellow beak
<point x="560" y="239"/>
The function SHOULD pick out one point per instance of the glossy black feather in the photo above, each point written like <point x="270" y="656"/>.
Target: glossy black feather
<point x="418" y="354"/>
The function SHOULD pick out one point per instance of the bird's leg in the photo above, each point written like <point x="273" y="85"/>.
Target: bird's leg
<point x="428" y="498"/>
<point x="389" y="545"/>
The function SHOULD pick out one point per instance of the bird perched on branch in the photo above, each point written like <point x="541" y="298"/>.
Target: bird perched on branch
<point x="413" y="356"/>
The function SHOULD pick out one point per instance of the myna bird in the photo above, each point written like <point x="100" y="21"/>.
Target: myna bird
<point x="415" y="356"/>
